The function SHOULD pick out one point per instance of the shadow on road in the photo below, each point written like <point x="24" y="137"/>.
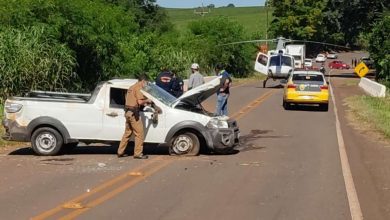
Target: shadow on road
<point x="306" y="108"/>
<point x="155" y="149"/>
<point x="280" y="86"/>
<point x="151" y="149"/>
<point x="246" y="140"/>
<point x="349" y="75"/>
<point x="343" y="75"/>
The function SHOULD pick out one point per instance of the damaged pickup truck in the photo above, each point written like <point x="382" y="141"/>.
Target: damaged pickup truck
<point x="55" y="121"/>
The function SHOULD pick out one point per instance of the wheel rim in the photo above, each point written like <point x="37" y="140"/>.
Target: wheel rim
<point x="46" y="142"/>
<point x="183" y="144"/>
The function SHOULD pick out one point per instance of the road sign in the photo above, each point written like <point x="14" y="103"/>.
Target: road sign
<point x="361" y="69"/>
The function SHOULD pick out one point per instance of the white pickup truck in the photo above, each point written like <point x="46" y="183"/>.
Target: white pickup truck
<point x="54" y="121"/>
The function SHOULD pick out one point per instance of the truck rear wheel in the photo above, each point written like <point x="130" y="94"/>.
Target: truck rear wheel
<point x="186" y="143"/>
<point x="46" y="141"/>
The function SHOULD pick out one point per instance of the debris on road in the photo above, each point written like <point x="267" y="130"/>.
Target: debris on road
<point x="255" y="164"/>
<point x="101" y="165"/>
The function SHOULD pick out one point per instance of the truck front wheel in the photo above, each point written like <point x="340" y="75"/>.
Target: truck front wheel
<point x="46" y="141"/>
<point x="185" y="143"/>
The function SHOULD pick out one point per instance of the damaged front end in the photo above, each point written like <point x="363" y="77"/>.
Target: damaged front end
<point x="225" y="134"/>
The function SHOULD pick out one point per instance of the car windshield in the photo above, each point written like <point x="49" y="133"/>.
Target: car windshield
<point x="160" y="94"/>
<point x="308" y="77"/>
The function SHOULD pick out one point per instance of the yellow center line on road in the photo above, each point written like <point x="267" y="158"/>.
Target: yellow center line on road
<point x="245" y="110"/>
<point x="116" y="191"/>
<point x="95" y="190"/>
<point x="145" y="170"/>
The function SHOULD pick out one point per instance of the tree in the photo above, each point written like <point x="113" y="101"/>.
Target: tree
<point x="300" y="20"/>
<point x="208" y="37"/>
<point x="211" y="6"/>
<point x="148" y="14"/>
<point x="380" y="46"/>
<point x="230" y="5"/>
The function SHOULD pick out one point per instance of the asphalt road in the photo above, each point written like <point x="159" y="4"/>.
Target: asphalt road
<point x="287" y="167"/>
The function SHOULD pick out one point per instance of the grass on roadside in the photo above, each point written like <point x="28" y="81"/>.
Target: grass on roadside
<point x="251" y="78"/>
<point x="254" y="19"/>
<point x="371" y="111"/>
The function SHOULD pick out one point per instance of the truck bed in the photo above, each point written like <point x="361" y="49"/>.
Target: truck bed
<point x="56" y="97"/>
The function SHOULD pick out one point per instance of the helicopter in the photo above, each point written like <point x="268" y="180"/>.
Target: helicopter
<point x="280" y="62"/>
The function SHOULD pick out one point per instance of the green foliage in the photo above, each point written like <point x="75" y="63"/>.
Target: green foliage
<point x="29" y="60"/>
<point x="148" y="14"/>
<point x="297" y="19"/>
<point x="212" y="33"/>
<point x="107" y="37"/>
<point x="380" y="46"/>
<point x="333" y="21"/>
<point x="63" y="45"/>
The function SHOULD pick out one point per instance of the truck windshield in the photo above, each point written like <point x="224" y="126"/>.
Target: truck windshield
<point x="160" y="94"/>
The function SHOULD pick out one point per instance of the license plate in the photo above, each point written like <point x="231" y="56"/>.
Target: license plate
<point x="306" y="97"/>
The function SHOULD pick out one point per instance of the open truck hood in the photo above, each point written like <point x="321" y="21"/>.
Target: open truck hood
<point x="199" y="94"/>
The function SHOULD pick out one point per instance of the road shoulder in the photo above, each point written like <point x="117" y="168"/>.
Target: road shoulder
<point x="369" y="158"/>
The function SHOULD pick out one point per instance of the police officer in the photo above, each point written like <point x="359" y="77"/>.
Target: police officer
<point x="134" y="100"/>
<point x="164" y="80"/>
<point x="176" y="85"/>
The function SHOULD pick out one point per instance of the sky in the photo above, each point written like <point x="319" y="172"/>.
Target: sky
<point x="217" y="3"/>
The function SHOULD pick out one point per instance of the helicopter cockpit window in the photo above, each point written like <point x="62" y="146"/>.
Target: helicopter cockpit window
<point x="262" y="59"/>
<point x="286" y="61"/>
<point x="274" y="61"/>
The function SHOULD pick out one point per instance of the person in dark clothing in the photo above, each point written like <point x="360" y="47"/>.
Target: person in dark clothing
<point x="176" y="85"/>
<point x="164" y="79"/>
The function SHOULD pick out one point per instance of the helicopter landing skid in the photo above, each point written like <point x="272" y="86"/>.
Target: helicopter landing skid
<point x="265" y="82"/>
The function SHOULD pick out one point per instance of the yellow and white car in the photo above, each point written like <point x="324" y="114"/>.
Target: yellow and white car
<point x="306" y="87"/>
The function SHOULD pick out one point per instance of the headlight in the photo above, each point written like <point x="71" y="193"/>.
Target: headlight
<point x="12" y="107"/>
<point x="216" y="123"/>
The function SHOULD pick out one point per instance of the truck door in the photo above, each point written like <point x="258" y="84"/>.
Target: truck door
<point x="114" y="119"/>
<point x="261" y="63"/>
<point x="114" y="114"/>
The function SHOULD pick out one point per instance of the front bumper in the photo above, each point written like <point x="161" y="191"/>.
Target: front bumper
<point x="225" y="139"/>
<point x="14" y="132"/>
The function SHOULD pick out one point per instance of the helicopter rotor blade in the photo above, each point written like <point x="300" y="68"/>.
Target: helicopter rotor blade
<point x="317" y="42"/>
<point x="247" y="41"/>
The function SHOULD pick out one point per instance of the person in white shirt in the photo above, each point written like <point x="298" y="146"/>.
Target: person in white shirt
<point x="196" y="79"/>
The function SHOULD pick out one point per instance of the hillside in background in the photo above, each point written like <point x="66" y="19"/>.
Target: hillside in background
<point x="252" y="18"/>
